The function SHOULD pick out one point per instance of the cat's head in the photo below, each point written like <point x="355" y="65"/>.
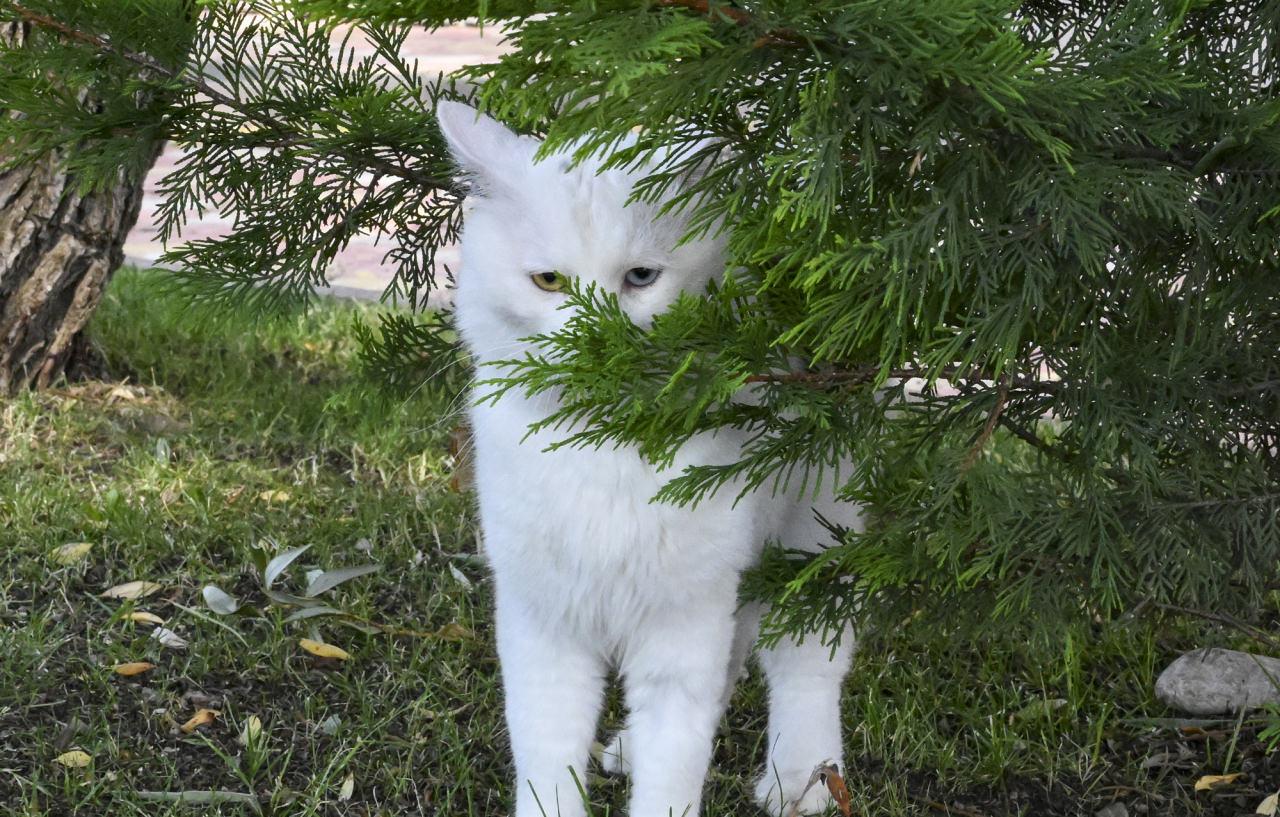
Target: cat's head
<point x="530" y="226"/>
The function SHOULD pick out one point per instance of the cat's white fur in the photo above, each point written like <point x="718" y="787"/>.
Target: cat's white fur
<point x="589" y="574"/>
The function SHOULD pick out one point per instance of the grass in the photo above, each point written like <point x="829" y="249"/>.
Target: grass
<point x="213" y="440"/>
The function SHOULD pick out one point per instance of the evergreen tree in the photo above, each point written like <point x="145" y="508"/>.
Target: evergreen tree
<point x="1019" y="262"/>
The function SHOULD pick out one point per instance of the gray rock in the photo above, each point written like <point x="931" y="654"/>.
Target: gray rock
<point x="1116" y="809"/>
<point x="1213" y="681"/>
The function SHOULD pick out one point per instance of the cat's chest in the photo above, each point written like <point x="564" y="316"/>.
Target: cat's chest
<point x="580" y="523"/>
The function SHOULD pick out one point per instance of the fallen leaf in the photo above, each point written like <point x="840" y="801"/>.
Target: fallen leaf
<point x="460" y="577"/>
<point x="274" y="497"/>
<point x="75" y="759"/>
<point x="169" y="638"/>
<point x="331" y="579"/>
<point x="1210" y="780"/>
<point x="453" y="631"/>
<point x="203" y="717"/>
<point x="219" y="601"/>
<point x="839" y="791"/>
<point x="1268" y="806"/>
<point x="278" y="564"/>
<point x="822" y="774"/>
<point x="131" y="590"/>
<point x="348" y="788"/>
<point x="71" y="552"/>
<point x="133" y="668"/>
<point x="323" y="650"/>
<point x="143" y="617"/>
<point x="251" y="732"/>
<point x="331" y="725"/>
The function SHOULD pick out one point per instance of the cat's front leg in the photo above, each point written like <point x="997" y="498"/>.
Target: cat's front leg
<point x="675" y="675"/>
<point x="805" y="680"/>
<point x="554" y="685"/>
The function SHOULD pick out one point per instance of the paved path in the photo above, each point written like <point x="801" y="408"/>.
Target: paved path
<point x="359" y="270"/>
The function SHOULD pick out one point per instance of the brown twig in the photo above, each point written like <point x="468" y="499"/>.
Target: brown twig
<point x="988" y="428"/>
<point x="781" y="36"/>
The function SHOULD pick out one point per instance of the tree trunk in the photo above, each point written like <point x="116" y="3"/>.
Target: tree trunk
<point x="58" y="249"/>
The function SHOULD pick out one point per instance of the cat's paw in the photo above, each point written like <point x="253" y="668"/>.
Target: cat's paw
<point x="611" y="757"/>
<point x="777" y="790"/>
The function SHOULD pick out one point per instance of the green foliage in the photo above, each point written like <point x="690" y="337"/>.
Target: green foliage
<point x="1017" y="263"/>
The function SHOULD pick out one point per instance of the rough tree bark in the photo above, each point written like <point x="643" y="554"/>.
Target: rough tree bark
<point x="58" y="249"/>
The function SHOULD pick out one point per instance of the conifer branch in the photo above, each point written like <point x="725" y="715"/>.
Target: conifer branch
<point x="742" y="18"/>
<point x="286" y="135"/>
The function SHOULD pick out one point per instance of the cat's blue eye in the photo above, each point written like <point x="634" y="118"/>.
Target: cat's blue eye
<point x="641" y="276"/>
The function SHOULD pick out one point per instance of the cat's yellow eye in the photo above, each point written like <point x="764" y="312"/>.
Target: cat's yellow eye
<point x="550" y="281"/>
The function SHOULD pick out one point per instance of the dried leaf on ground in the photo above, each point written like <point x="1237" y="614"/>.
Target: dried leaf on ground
<point x="168" y="638"/>
<point x="143" y="617"/>
<point x="131" y="590"/>
<point x="460" y="577"/>
<point x="828" y="774"/>
<point x="251" y="732"/>
<point x="453" y="631"/>
<point x="278" y="564"/>
<point x="132" y="668"/>
<point x="71" y="552"/>
<point x="322" y="650"/>
<point x="839" y="791"/>
<point x="219" y="601"/>
<point x="75" y="759"/>
<point x="203" y="717"/>
<point x="1211" y="780"/>
<point x="332" y="578"/>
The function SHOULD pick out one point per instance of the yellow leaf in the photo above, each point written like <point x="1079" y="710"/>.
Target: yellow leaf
<point x="252" y="730"/>
<point x="143" y="617"/>
<point x="348" y="788"/>
<point x="71" y="552"/>
<point x="131" y="590"/>
<point x="1267" y="807"/>
<point x="203" y="717"/>
<point x="133" y="668"/>
<point x="1210" y="780"/>
<point x="272" y="497"/>
<point x="75" y="759"/>
<point x="324" y="650"/>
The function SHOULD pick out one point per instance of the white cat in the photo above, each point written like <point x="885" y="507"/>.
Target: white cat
<point x="588" y="573"/>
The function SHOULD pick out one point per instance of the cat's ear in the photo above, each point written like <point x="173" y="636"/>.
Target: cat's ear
<point x="488" y="151"/>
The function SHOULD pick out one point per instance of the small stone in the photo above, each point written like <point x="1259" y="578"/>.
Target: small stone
<point x="1116" y="809"/>
<point x="1214" y="681"/>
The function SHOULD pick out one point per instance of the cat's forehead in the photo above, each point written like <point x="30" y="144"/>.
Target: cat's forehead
<point x="559" y="201"/>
